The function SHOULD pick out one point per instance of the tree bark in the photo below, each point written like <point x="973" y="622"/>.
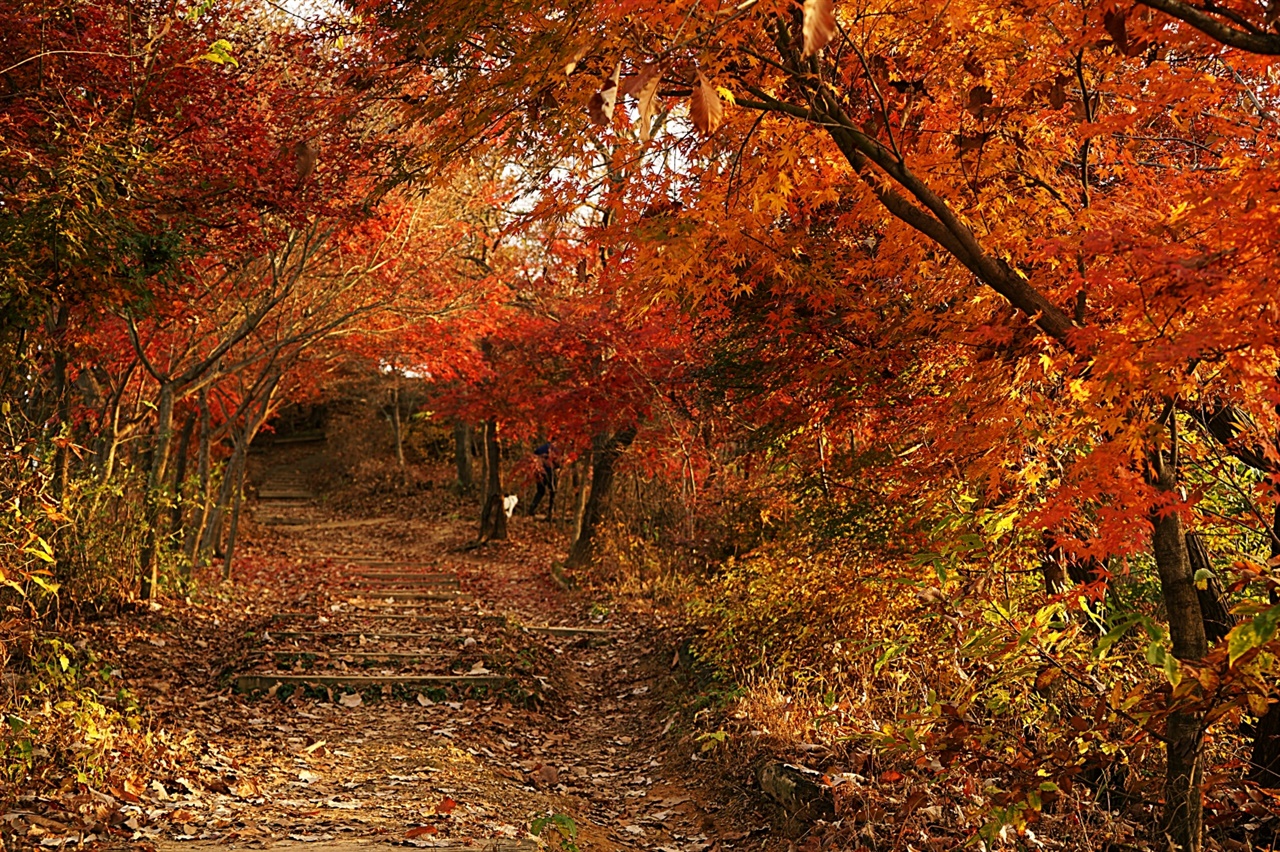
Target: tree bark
<point x="203" y="454"/>
<point x="1183" y="819"/>
<point x="462" y="456"/>
<point x="493" y="517"/>
<point x="1218" y="620"/>
<point x="1265" y="758"/>
<point x="62" y="406"/>
<point x="155" y="492"/>
<point x="606" y="449"/>
<point x="182" y="453"/>
<point x="237" y="499"/>
<point x="396" y="423"/>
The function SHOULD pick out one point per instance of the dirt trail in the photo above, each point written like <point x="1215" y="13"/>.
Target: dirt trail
<point x="425" y="711"/>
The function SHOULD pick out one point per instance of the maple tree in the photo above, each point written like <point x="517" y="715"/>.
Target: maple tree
<point x="1011" y="263"/>
<point x="1101" y="173"/>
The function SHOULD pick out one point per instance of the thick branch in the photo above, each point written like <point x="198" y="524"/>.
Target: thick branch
<point x="1251" y="40"/>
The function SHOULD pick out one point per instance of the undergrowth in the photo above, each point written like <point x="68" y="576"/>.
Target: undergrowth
<point x="947" y="698"/>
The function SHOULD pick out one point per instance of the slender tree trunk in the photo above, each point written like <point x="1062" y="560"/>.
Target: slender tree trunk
<point x="237" y="499"/>
<point x="253" y="422"/>
<point x="62" y="406"/>
<point x="182" y="453"/>
<point x="396" y="423"/>
<point x="201" y="517"/>
<point x="582" y="477"/>
<point x="462" y="456"/>
<point x="1265" y="759"/>
<point x="1218" y="620"/>
<point x="211" y="541"/>
<point x="155" y="492"/>
<point x="1183" y="819"/>
<point x="605" y="452"/>
<point x="493" y="517"/>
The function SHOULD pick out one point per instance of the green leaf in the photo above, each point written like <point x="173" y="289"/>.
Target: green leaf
<point x="1172" y="670"/>
<point x="1248" y="635"/>
<point x="1202" y="578"/>
<point x="1114" y="634"/>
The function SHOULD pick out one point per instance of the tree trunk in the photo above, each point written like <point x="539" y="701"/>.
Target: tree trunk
<point x="1183" y="819"/>
<point x="62" y="406"/>
<point x="182" y="452"/>
<point x="1265" y="759"/>
<point x="1218" y="620"/>
<point x="237" y="499"/>
<point x="211" y="540"/>
<point x="253" y="422"/>
<point x="396" y="423"/>
<point x="462" y="456"/>
<point x="605" y="452"/>
<point x="493" y="517"/>
<point x="582" y="479"/>
<point x="201" y="518"/>
<point x="148" y="562"/>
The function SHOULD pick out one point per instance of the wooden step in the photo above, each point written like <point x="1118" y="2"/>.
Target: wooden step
<point x="369" y="560"/>
<point x="556" y="630"/>
<point x="357" y="616"/>
<point x="283" y="494"/>
<point x="248" y="683"/>
<point x="355" y="634"/>
<point x="423" y="579"/>
<point x="340" y="655"/>
<point x="413" y="595"/>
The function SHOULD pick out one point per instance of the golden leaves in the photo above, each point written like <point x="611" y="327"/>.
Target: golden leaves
<point x="819" y="25"/>
<point x="706" y="110"/>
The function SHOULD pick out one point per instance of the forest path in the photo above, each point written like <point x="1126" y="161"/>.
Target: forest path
<point x="442" y="720"/>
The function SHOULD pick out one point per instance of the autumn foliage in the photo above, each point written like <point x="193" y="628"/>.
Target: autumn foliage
<point x="939" y="342"/>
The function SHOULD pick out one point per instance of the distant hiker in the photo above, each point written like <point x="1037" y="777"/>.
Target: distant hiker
<point x="548" y="458"/>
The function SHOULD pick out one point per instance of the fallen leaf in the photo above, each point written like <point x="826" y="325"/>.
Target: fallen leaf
<point x="351" y="699"/>
<point x="420" y="830"/>
<point x="446" y="806"/>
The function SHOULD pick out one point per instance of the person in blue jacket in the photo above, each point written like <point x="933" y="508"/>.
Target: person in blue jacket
<point x="548" y="457"/>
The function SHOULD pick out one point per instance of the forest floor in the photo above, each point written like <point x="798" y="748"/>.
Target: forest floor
<point x="579" y="724"/>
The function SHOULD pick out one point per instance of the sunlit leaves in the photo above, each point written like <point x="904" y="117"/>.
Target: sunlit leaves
<point x="1251" y="634"/>
<point x="220" y="53"/>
